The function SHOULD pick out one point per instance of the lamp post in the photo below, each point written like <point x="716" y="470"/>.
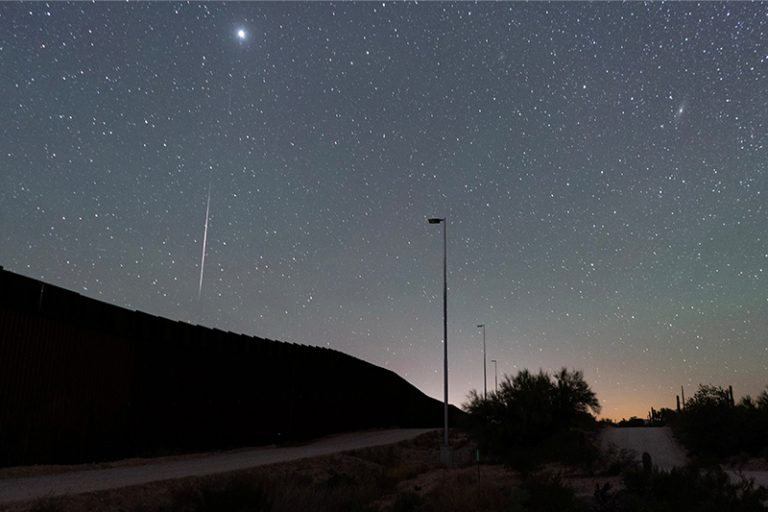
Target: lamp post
<point x="495" y="375"/>
<point x="485" y="364"/>
<point x="437" y="220"/>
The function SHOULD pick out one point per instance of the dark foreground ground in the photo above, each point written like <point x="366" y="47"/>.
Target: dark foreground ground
<point x="25" y="484"/>
<point x="393" y="477"/>
<point x="400" y="477"/>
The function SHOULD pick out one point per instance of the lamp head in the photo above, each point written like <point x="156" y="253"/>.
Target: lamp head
<point x="435" y="221"/>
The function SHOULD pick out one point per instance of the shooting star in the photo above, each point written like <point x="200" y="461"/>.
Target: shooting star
<point x="205" y="242"/>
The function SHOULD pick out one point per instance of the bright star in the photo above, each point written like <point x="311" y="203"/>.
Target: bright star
<point x="241" y="34"/>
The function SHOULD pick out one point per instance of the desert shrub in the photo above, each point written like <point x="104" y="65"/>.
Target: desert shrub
<point x="336" y="490"/>
<point x="707" y="422"/>
<point x="712" y="427"/>
<point x="386" y="455"/>
<point x="576" y="447"/>
<point x="337" y="480"/>
<point x="403" y="471"/>
<point x="232" y="495"/>
<point x="546" y="492"/>
<point x="686" y="489"/>
<point x="46" y="505"/>
<point x="634" y="421"/>
<point x="407" y="501"/>
<point x="469" y="492"/>
<point x="534" y="418"/>
<point x="614" y="461"/>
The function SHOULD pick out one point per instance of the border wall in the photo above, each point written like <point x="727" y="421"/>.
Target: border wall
<point x="84" y="381"/>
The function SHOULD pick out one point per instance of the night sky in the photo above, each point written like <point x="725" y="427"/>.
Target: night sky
<point x="602" y="166"/>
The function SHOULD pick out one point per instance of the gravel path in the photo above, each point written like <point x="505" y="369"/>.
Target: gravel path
<point x="81" y="481"/>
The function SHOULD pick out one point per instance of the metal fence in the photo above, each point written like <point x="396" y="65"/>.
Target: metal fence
<point x="81" y="381"/>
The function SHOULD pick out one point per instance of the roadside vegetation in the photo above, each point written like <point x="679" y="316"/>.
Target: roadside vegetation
<point x="537" y="418"/>
<point x="686" y="489"/>
<point x="543" y="426"/>
<point x="714" y="428"/>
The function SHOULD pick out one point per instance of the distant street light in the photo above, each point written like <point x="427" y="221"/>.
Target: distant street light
<point x="485" y="364"/>
<point x="495" y="375"/>
<point x="437" y="220"/>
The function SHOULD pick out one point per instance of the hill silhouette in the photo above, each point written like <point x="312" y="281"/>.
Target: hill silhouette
<point x="82" y="380"/>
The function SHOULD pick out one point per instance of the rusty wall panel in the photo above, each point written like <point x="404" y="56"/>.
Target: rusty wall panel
<point x="63" y="388"/>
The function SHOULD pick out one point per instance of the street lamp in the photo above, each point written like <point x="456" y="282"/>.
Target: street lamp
<point x="495" y="375"/>
<point x="485" y="364"/>
<point x="437" y="220"/>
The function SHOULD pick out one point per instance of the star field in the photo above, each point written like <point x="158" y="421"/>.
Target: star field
<point x="603" y="169"/>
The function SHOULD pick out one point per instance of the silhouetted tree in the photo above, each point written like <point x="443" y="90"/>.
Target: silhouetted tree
<point x="712" y="427"/>
<point x="534" y="417"/>
<point x="708" y="397"/>
<point x="762" y="400"/>
<point x="573" y="397"/>
<point x="707" y="422"/>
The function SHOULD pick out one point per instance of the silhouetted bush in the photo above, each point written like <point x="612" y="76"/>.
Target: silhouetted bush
<point x="236" y="495"/>
<point x="548" y="493"/>
<point x="687" y="489"/>
<point x="407" y="502"/>
<point x="469" y="492"/>
<point x="634" y="421"/>
<point x="535" y="418"/>
<point x="616" y="461"/>
<point x="46" y="505"/>
<point x="712" y="427"/>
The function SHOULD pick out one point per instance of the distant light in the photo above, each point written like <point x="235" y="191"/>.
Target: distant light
<point x="241" y="34"/>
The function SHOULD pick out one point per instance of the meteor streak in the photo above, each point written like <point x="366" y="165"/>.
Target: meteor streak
<point x="205" y="242"/>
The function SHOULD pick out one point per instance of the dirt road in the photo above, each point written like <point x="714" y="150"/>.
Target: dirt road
<point x="664" y="450"/>
<point x="80" y="481"/>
